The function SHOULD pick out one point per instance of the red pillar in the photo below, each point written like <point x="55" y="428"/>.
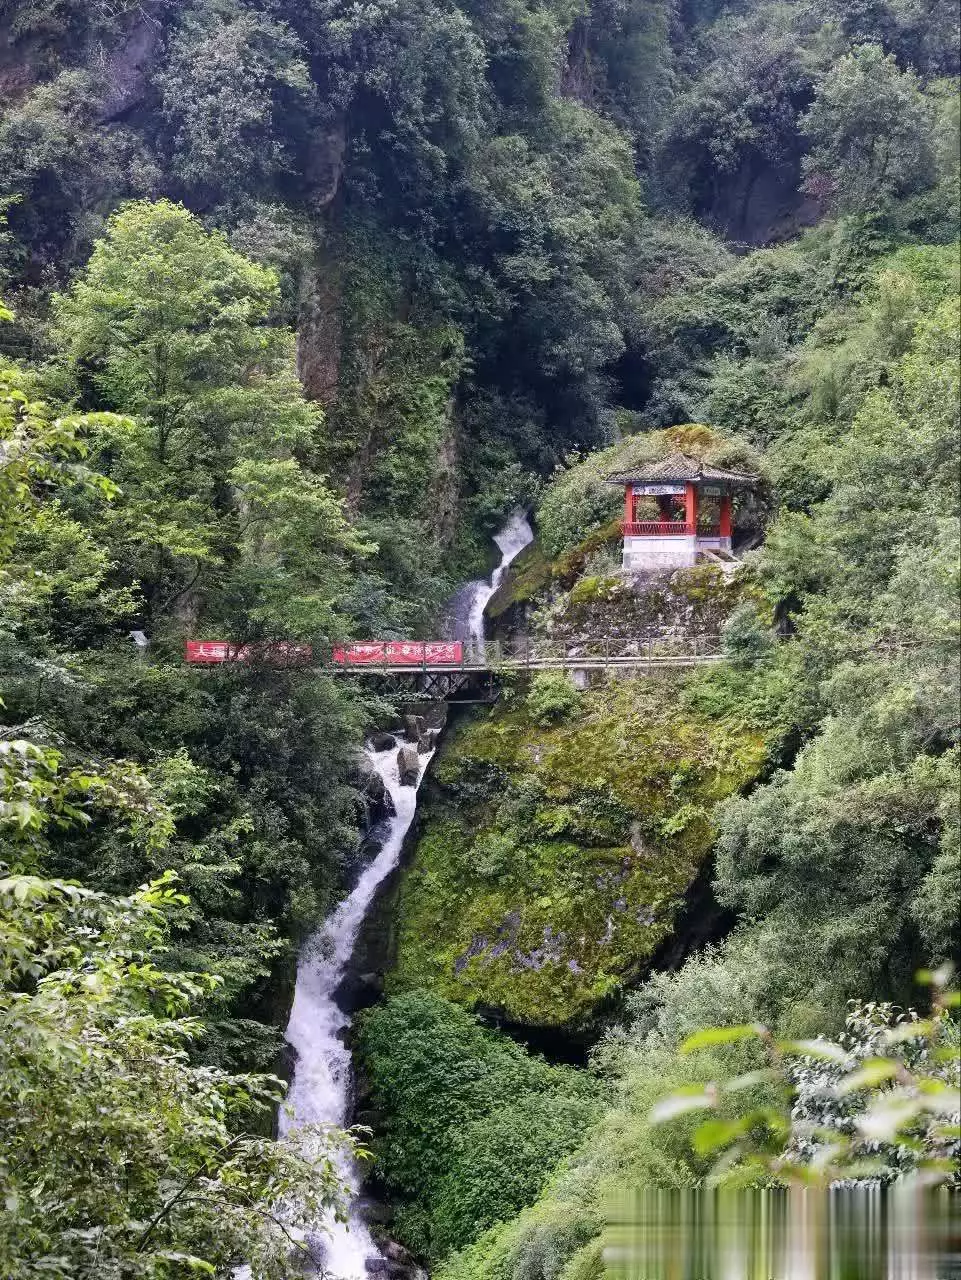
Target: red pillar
<point x="724" y="523"/>
<point x="628" y="504"/>
<point x="690" y="505"/>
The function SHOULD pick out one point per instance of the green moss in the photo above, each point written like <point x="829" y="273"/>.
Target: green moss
<point x="554" y="857"/>
<point x="532" y="573"/>
<point x="529" y="574"/>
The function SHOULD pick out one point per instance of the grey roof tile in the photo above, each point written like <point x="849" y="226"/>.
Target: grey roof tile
<point x="679" y="467"/>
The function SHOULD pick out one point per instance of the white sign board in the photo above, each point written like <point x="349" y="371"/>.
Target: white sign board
<point x="712" y="490"/>
<point x="659" y="490"/>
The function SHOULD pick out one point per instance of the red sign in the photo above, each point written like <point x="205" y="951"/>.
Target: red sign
<point x="400" y="653"/>
<point x="211" y="651"/>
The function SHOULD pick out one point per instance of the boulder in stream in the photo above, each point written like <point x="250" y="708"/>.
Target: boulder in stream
<point x="408" y="765"/>
<point x="377" y="799"/>
<point x="413" y="727"/>
<point x="382" y="741"/>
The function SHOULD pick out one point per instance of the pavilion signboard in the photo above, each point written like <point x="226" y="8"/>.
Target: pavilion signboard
<point x="659" y="490"/>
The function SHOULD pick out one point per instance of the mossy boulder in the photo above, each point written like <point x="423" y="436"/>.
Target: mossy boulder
<point x="553" y="856"/>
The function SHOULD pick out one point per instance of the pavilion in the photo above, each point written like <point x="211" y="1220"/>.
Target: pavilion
<point x="675" y="510"/>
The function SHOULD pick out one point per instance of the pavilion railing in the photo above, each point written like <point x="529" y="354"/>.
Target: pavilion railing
<point x="658" y="529"/>
<point x="667" y="528"/>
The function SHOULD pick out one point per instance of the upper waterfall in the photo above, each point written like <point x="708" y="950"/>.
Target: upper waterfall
<point x="511" y="541"/>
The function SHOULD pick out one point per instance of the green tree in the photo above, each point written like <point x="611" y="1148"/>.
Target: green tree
<point x="218" y="494"/>
<point x="234" y="86"/>
<point x="872" y="133"/>
<point x="121" y="1158"/>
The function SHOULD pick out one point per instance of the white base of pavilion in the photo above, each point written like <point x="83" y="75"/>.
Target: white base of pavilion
<point x="671" y="552"/>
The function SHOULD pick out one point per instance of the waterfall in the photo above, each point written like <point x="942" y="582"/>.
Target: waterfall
<point x="321" y="1087"/>
<point x="511" y="541"/>
<point x="320" y="1091"/>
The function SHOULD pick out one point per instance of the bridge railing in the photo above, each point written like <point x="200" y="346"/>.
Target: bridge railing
<point x="557" y="652"/>
<point x="538" y="652"/>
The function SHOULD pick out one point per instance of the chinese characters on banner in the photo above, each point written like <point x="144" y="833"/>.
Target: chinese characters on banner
<point x="283" y="652"/>
<point x="400" y="653"/>
<point x="380" y="653"/>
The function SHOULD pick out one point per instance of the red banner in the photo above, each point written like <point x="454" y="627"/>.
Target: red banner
<point x="283" y="652"/>
<point x="401" y="653"/>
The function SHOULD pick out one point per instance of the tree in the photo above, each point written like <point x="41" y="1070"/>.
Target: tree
<point x="120" y="1158"/>
<point x="220" y="505"/>
<point x="39" y="449"/>
<point x="872" y="133"/>
<point x="234" y="87"/>
<point x="255" y="761"/>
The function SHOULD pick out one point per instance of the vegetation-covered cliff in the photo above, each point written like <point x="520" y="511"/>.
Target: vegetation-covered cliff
<point x="303" y="299"/>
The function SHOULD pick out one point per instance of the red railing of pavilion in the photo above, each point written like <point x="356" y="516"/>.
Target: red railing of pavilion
<point x="667" y="528"/>
<point x="658" y="529"/>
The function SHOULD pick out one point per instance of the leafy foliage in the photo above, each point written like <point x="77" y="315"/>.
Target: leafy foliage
<point x="871" y="131"/>
<point x="171" y="323"/>
<point x="204" y="503"/>
<point x="877" y="1105"/>
<point x="120" y="1157"/>
<point x="471" y="1124"/>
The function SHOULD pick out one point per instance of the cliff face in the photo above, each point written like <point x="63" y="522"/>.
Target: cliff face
<point x="555" y="849"/>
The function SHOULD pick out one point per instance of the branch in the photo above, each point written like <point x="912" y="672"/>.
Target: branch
<point x="183" y="590"/>
<point x="165" y="1208"/>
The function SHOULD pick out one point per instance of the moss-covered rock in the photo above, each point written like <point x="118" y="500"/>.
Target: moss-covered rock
<point x="690" y="602"/>
<point x="553" y="856"/>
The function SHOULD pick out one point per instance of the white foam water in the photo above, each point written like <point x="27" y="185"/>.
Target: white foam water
<point x="320" y="1091"/>
<point x="511" y="540"/>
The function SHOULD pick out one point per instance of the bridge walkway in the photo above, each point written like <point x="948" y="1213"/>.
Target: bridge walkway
<point x="477" y="676"/>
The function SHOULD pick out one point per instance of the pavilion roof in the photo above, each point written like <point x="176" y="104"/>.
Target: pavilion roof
<point x="678" y="467"/>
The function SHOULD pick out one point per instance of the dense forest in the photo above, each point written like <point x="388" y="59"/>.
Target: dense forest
<point x="300" y="300"/>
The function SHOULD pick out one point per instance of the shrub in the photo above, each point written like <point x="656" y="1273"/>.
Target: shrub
<point x="552" y="698"/>
<point x="746" y="639"/>
<point x="471" y="1124"/>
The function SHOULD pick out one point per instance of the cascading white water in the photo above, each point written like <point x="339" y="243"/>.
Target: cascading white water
<point x="511" y="540"/>
<point x="321" y="1086"/>
<point x="320" y="1092"/>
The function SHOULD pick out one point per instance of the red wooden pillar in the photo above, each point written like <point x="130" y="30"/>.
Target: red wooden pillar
<point x="724" y="522"/>
<point x="690" y="506"/>
<point x="628" y="504"/>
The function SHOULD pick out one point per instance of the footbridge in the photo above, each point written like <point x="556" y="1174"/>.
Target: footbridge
<point x="453" y="671"/>
<point x="475" y="672"/>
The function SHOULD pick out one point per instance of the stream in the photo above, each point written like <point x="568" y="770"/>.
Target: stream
<point x="321" y="1091"/>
